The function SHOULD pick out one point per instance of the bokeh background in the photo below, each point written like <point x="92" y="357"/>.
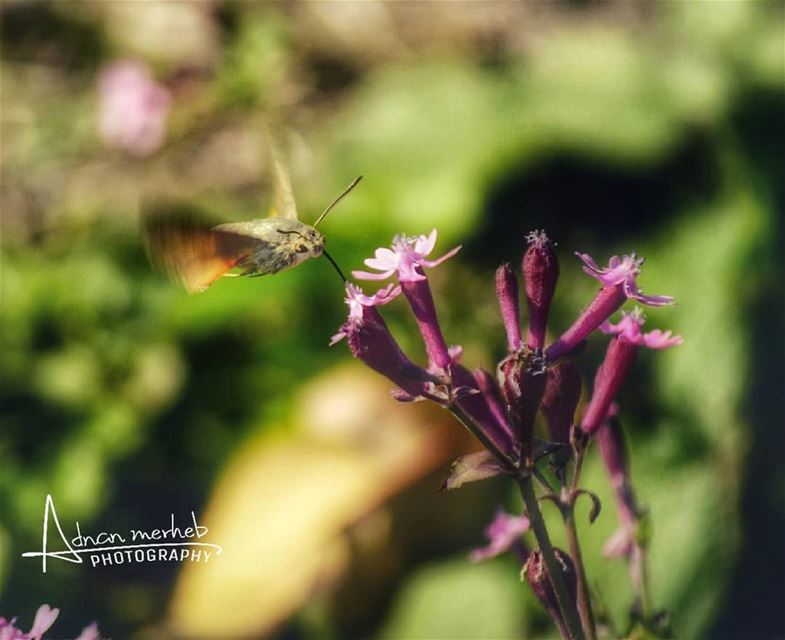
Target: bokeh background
<point x="655" y="126"/>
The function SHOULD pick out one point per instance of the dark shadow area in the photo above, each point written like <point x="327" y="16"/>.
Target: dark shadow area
<point x="587" y="200"/>
<point x="753" y="606"/>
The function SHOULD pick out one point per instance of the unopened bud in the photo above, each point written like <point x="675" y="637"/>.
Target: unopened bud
<point x="507" y="293"/>
<point x="536" y="574"/>
<point x="523" y="383"/>
<point x="540" y="272"/>
<point x="562" y="393"/>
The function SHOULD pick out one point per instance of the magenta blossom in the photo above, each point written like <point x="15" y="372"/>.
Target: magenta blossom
<point x="356" y="300"/>
<point x="503" y="533"/>
<point x="624" y="271"/>
<point x="371" y="341"/>
<point x="629" y="327"/>
<point x="407" y="257"/>
<point x="619" y="282"/>
<point x="133" y="108"/>
<point x="621" y="352"/>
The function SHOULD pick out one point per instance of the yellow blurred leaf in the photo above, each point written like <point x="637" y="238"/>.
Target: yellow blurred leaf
<point x="282" y="506"/>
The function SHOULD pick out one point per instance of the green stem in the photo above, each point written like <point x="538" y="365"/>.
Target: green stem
<point x="566" y="605"/>
<point x="467" y="422"/>
<point x="644" y="595"/>
<point x="584" y="595"/>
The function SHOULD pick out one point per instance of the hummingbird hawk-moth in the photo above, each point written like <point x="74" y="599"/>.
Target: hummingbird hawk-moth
<point x="196" y="255"/>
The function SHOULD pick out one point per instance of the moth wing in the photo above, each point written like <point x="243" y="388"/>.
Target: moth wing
<point x="284" y="205"/>
<point x="193" y="254"/>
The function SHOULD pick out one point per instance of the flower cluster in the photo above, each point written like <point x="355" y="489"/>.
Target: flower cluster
<point x="534" y="378"/>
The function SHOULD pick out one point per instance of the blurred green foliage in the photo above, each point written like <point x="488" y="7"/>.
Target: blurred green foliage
<point x="658" y="129"/>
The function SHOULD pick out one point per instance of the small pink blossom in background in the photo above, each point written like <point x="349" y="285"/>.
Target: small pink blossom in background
<point x="133" y="108"/>
<point x="504" y="531"/>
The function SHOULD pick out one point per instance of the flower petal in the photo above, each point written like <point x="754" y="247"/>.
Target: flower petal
<point x="44" y="618"/>
<point x="503" y="531"/>
<point x="365" y="275"/>
<point x="657" y="339"/>
<point x="438" y="261"/>
<point x="425" y="244"/>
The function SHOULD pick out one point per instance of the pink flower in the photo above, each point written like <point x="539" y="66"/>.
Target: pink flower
<point x="629" y="328"/>
<point x="407" y="257"/>
<point x="619" y="282"/>
<point x="356" y="300"/>
<point x="371" y="341"/>
<point x="133" y="108"/>
<point x="44" y="618"/>
<point x="624" y="271"/>
<point x="619" y="357"/>
<point x="503" y="533"/>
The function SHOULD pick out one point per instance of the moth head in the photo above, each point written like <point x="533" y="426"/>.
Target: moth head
<point x="306" y="243"/>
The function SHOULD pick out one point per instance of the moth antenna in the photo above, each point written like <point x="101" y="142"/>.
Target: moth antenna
<point x="335" y="202"/>
<point x="335" y="264"/>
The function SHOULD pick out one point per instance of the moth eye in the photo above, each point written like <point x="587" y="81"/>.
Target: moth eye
<point x="300" y="248"/>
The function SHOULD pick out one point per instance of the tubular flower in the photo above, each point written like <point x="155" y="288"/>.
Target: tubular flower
<point x="371" y="341"/>
<point x="507" y="293"/>
<point x="478" y="396"/>
<point x="619" y="282"/>
<point x="407" y="258"/>
<point x="562" y="393"/>
<point x="540" y="272"/>
<point x="613" y="449"/>
<point x="618" y="359"/>
<point x="504" y="534"/>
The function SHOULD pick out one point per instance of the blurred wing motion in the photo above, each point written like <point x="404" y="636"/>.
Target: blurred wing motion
<point x="193" y="254"/>
<point x="284" y="205"/>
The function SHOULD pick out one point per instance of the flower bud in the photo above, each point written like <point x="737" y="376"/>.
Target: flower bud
<point x="562" y="393"/>
<point x="522" y="387"/>
<point x="536" y="574"/>
<point x="418" y="293"/>
<point x="480" y="403"/>
<point x="507" y="293"/>
<point x="610" y="376"/>
<point x="540" y="272"/>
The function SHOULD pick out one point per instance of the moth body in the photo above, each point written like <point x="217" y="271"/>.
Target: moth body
<point x="281" y="243"/>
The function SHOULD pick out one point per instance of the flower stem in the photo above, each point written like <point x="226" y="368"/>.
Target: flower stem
<point x="584" y="595"/>
<point x="467" y="422"/>
<point x="640" y="569"/>
<point x="566" y="605"/>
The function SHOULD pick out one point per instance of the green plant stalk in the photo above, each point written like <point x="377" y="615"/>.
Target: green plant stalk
<point x="566" y="605"/>
<point x="584" y="595"/>
<point x="467" y="422"/>
<point x="639" y="567"/>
